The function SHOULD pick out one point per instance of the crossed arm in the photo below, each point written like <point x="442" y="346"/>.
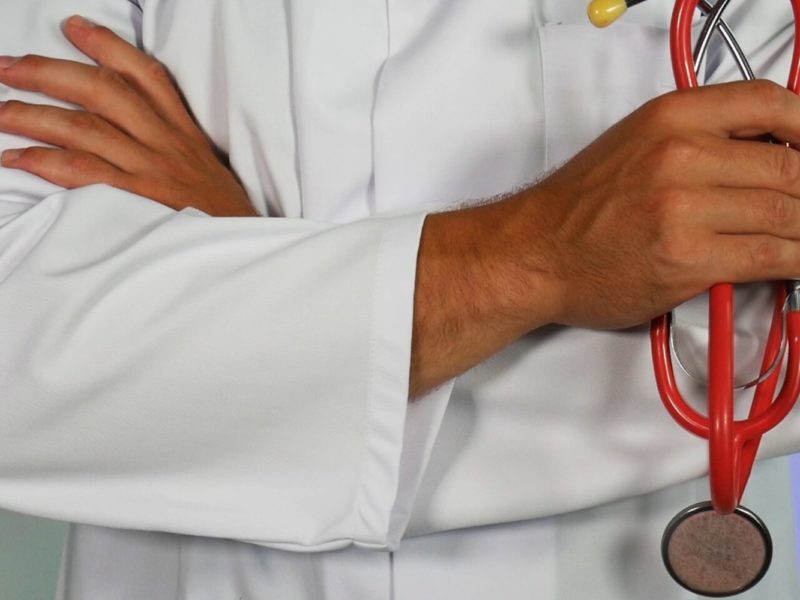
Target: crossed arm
<point x="669" y="201"/>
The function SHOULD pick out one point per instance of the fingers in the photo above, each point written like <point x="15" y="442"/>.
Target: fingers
<point x="750" y="212"/>
<point x="98" y="90"/>
<point x="738" y="109"/>
<point x="746" y="259"/>
<point x="752" y="164"/>
<point x="67" y="168"/>
<point x="693" y="262"/>
<point x="737" y="236"/>
<point x="143" y="72"/>
<point x="727" y="163"/>
<point x="748" y="187"/>
<point x="73" y="130"/>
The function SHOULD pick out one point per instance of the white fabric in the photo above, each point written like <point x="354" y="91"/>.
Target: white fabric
<point x="245" y="379"/>
<point x="152" y="361"/>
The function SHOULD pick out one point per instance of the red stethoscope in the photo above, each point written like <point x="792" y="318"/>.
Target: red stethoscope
<point x="720" y="548"/>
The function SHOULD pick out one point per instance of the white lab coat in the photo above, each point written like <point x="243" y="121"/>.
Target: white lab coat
<point x="175" y="382"/>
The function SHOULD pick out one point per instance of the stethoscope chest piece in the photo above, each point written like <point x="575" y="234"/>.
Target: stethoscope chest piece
<point x="716" y="555"/>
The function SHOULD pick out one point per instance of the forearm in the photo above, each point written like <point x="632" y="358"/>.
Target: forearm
<point x="480" y="286"/>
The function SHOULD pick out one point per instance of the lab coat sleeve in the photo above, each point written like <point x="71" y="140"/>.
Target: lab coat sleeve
<point x="161" y="370"/>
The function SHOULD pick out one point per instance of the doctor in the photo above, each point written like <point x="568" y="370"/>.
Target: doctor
<point x="247" y="379"/>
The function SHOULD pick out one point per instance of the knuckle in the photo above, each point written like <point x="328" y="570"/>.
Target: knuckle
<point x="23" y="156"/>
<point x="769" y="94"/>
<point x="676" y="246"/>
<point x="674" y="250"/>
<point x="30" y="156"/>
<point x="82" y="163"/>
<point x="766" y="255"/>
<point x="28" y="62"/>
<point x="79" y="121"/>
<point x="786" y="165"/>
<point x="664" y="108"/>
<point x="671" y="156"/>
<point x="779" y="214"/>
<point x="12" y="109"/>
<point x="109" y="78"/>
<point x="156" y="71"/>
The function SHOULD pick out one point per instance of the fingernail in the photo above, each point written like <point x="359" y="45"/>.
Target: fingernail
<point x="81" y="22"/>
<point x="7" y="61"/>
<point x="10" y="156"/>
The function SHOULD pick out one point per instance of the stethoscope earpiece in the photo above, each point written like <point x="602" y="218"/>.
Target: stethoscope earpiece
<point x="603" y="13"/>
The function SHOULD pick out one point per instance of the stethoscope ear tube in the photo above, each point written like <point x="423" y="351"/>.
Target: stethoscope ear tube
<point x="603" y="13"/>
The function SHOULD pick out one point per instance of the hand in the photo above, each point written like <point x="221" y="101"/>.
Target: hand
<point x="670" y="201"/>
<point x="134" y="132"/>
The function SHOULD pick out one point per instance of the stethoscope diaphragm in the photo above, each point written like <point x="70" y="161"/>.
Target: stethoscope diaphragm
<point x="715" y="554"/>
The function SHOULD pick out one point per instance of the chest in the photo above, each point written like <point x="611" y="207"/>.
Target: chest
<point x="338" y="111"/>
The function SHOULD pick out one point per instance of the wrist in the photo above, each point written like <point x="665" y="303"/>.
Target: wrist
<point x="526" y="230"/>
<point x="480" y="286"/>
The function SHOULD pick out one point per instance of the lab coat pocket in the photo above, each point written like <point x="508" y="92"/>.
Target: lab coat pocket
<point x="592" y="78"/>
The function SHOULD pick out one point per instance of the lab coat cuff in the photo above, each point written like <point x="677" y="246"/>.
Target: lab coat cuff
<point x="423" y="420"/>
<point x="399" y="433"/>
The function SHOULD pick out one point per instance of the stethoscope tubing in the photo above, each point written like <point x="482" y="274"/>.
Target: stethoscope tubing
<point x="732" y="444"/>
